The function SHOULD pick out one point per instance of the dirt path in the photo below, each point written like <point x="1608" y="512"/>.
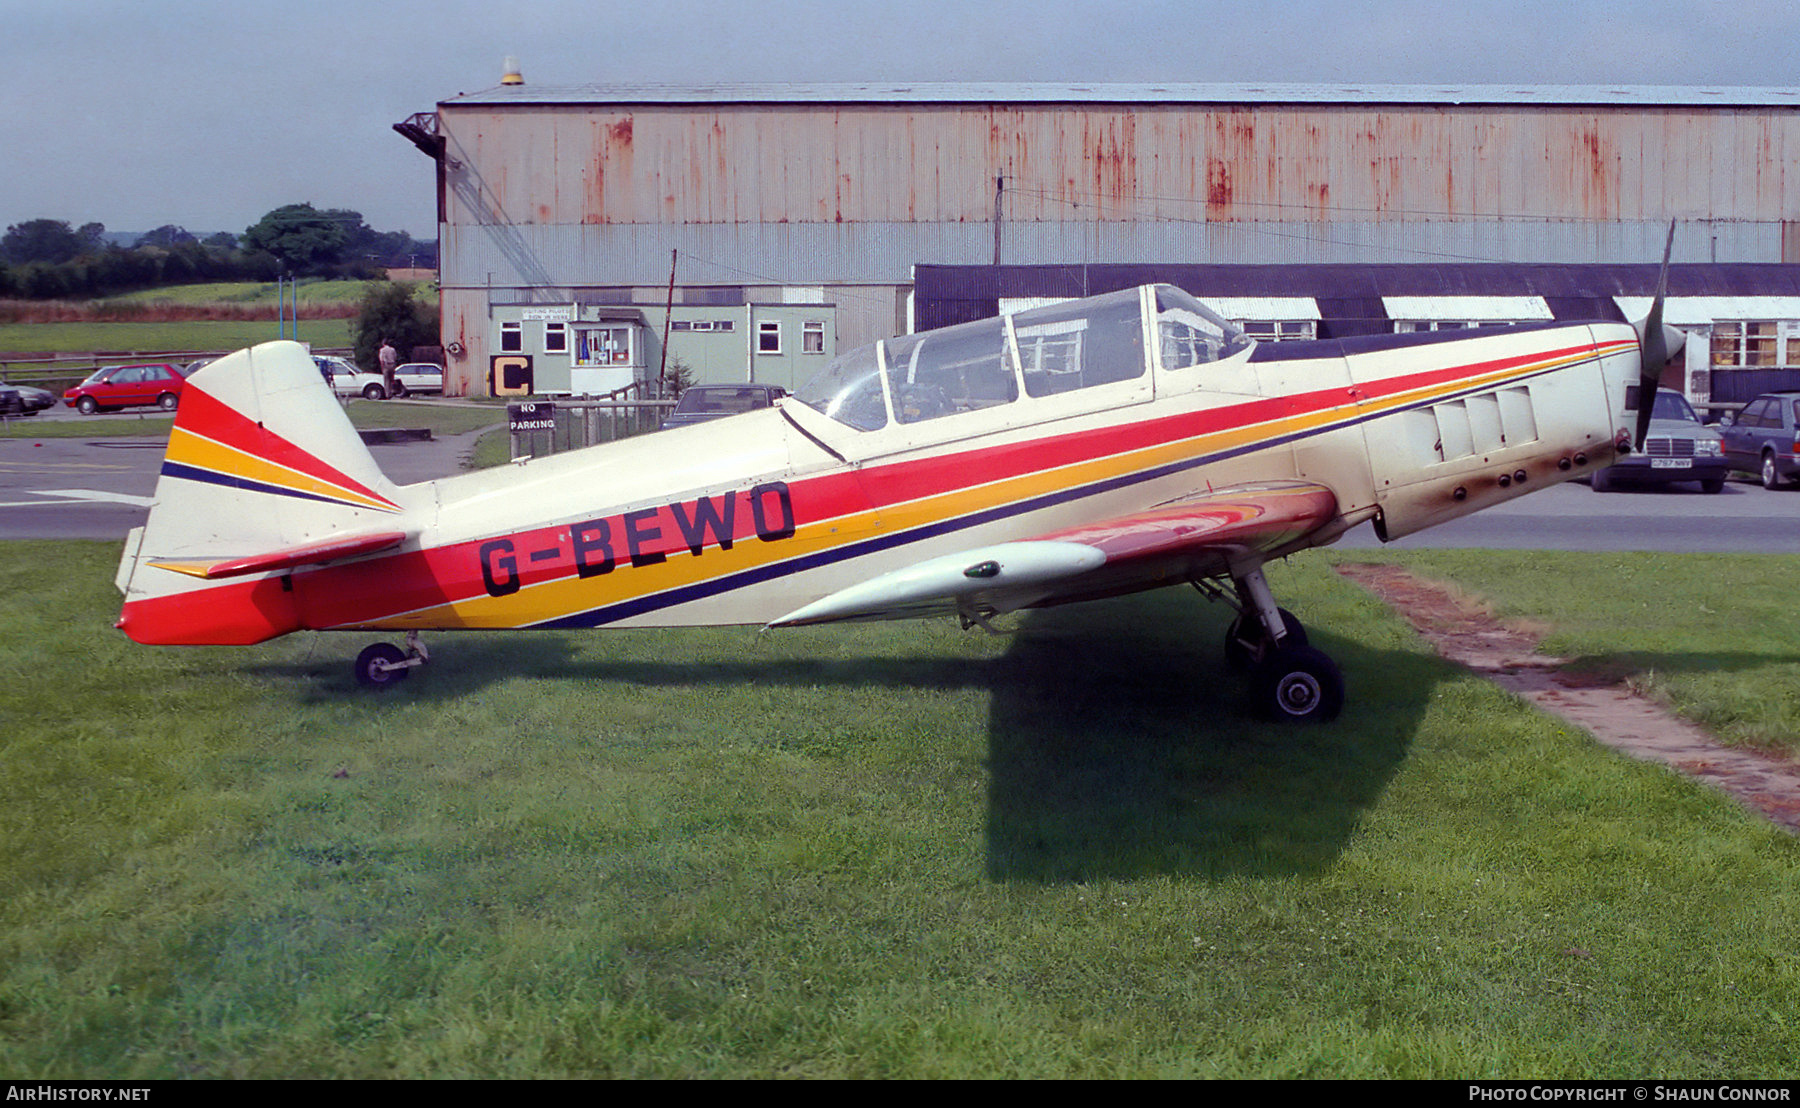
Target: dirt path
<point x="1612" y="713"/>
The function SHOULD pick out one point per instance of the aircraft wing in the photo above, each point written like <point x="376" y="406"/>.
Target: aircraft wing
<point x="1194" y="536"/>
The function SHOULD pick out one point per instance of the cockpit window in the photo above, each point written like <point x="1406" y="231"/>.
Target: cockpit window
<point x="956" y="369"/>
<point x="849" y="390"/>
<point x="1081" y="344"/>
<point x="1188" y="333"/>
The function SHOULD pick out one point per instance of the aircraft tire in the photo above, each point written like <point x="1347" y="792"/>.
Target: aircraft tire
<point x="1241" y="656"/>
<point x="373" y="665"/>
<point x="1298" y="684"/>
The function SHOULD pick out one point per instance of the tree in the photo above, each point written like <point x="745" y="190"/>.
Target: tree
<point x="304" y="239"/>
<point x="167" y="235"/>
<point x="391" y="311"/>
<point x="50" y="241"/>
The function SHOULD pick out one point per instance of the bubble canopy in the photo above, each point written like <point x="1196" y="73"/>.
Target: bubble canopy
<point x="1017" y="358"/>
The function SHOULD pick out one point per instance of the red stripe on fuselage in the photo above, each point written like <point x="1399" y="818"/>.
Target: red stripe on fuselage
<point x="373" y="590"/>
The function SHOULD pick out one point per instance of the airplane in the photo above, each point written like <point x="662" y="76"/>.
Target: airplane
<point x="1068" y="452"/>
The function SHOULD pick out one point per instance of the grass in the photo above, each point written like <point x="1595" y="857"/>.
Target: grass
<point x="152" y="338"/>
<point x="343" y="294"/>
<point x="868" y="851"/>
<point x="1721" y="648"/>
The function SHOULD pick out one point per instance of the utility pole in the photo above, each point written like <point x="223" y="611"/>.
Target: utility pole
<point x="999" y="190"/>
<point x="662" y="372"/>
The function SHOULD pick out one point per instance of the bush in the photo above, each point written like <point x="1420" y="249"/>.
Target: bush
<point x="391" y="311"/>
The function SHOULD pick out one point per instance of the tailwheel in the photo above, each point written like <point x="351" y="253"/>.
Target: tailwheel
<point x="382" y="664"/>
<point x="1298" y="684"/>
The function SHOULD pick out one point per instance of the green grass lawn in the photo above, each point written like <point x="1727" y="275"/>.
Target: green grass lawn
<point x="150" y="337"/>
<point x="1720" y="647"/>
<point x="871" y="851"/>
<point x="343" y="293"/>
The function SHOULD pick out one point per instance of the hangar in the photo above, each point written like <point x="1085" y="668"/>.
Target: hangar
<point x="590" y="234"/>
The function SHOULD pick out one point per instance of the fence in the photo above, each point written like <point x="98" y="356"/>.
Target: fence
<point x="545" y="427"/>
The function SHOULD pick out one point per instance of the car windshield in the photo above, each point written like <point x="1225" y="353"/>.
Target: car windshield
<point x="1673" y="405"/>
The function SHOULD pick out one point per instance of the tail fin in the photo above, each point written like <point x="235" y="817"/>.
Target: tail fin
<point x="263" y="473"/>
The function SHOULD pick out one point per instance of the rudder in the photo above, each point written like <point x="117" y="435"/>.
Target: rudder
<point x="263" y="472"/>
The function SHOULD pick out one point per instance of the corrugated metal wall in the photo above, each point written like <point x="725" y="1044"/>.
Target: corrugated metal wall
<point x="853" y="195"/>
<point x="912" y="163"/>
<point x="811" y="193"/>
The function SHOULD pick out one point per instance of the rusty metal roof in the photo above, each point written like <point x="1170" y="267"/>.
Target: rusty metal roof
<point x="1042" y="93"/>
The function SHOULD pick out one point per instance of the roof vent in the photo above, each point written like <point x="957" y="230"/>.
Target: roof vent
<point x="510" y="74"/>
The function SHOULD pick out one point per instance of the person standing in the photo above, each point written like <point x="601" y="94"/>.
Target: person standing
<point x="389" y="359"/>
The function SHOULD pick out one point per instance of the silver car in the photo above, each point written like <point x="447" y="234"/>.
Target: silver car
<point x="1678" y="448"/>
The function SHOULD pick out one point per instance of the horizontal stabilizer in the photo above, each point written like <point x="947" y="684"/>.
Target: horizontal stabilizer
<point x="307" y="554"/>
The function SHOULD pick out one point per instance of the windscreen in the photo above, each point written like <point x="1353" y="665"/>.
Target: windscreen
<point x="849" y="390"/>
<point x="1189" y="333"/>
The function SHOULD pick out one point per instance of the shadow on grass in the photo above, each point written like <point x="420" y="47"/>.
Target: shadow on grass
<point x="1120" y="743"/>
<point x="1123" y="745"/>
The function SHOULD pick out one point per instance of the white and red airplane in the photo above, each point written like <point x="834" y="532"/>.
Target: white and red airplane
<point x="1070" y="452"/>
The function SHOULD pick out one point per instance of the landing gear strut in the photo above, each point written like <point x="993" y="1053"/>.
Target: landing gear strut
<point x="1290" y="680"/>
<point x="381" y="664"/>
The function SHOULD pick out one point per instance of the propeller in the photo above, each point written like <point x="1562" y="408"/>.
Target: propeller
<point x="1657" y="343"/>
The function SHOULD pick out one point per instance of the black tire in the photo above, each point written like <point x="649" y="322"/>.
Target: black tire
<point x="1298" y="684"/>
<point x="374" y="392"/>
<point x="1602" y="481"/>
<point x="167" y="401"/>
<point x="1771" y="477"/>
<point x="1242" y="656"/>
<point x="87" y="405"/>
<point x="373" y="665"/>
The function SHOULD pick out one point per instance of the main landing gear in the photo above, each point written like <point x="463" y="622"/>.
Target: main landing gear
<point x="1290" y="680"/>
<point x="381" y="664"/>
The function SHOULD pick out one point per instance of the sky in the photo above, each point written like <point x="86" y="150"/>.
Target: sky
<point x="206" y="114"/>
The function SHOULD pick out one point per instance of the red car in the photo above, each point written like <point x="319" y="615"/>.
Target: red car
<point x="124" y="386"/>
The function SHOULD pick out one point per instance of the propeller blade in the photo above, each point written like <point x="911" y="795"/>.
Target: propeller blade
<point x="1655" y="346"/>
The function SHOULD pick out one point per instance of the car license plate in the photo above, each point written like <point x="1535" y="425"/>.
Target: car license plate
<point x="1671" y="463"/>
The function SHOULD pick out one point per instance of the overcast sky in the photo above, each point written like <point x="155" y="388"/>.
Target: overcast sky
<point x="208" y="113"/>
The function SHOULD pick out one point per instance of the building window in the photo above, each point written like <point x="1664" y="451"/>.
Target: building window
<point x="556" y="338"/>
<point x="768" y="337"/>
<point x="812" y="337"/>
<point x="598" y="346"/>
<point x="1280" y="330"/>
<point x="1745" y="344"/>
<point x="512" y="338"/>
